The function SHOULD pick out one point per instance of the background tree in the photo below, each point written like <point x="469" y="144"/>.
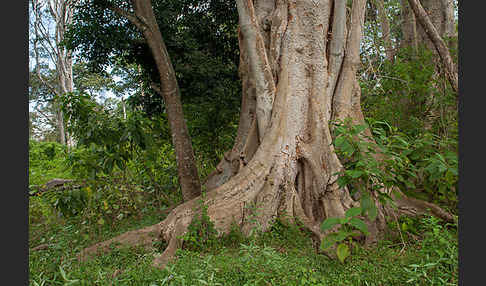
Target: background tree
<point x="202" y="43"/>
<point x="57" y="13"/>
<point x="435" y="37"/>
<point x="417" y="30"/>
<point x="197" y="58"/>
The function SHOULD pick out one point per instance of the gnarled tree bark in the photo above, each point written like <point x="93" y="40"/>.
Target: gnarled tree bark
<point x="298" y="68"/>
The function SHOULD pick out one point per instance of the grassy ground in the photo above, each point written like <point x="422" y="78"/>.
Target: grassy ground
<point x="284" y="256"/>
<point x="424" y="254"/>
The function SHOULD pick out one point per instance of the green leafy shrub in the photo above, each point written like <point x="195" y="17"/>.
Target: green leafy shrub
<point x="424" y="167"/>
<point x="388" y="160"/>
<point x="350" y="222"/>
<point x="403" y="93"/>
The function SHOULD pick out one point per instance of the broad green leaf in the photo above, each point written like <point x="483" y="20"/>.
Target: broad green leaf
<point x="342" y="181"/>
<point x="328" y="241"/>
<point x="342" y="252"/>
<point x="339" y="141"/>
<point x="368" y="206"/>
<point x="372" y="212"/>
<point x="347" y="148"/>
<point x="359" y="224"/>
<point x="366" y="201"/>
<point x="342" y="235"/>
<point x="328" y="223"/>
<point x="353" y="212"/>
<point x="354" y="173"/>
<point x="359" y="128"/>
<point x="399" y="139"/>
<point x="404" y="226"/>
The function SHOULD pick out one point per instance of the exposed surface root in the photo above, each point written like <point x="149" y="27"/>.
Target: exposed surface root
<point x="144" y="237"/>
<point x="40" y="247"/>
<point x="413" y="207"/>
<point x="223" y="212"/>
<point x="283" y="163"/>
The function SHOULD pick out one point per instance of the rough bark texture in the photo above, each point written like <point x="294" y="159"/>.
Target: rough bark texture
<point x="144" y="19"/>
<point x="299" y="56"/>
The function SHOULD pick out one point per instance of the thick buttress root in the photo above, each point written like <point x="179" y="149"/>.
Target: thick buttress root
<point x="283" y="163"/>
<point x="229" y="205"/>
<point x="139" y="237"/>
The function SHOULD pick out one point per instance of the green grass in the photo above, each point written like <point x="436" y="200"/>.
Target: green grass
<point x="284" y="256"/>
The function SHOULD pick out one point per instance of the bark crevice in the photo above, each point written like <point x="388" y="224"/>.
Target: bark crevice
<point x="289" y="171"/>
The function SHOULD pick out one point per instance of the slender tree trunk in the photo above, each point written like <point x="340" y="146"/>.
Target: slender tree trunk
<point x="298" y="68"/>
<point x="440" y="14"/>
<point x="61" y="13"/>
<point x="64" y="75"/>
<point x="144" y="19"/>
<point x="385" y="29"/>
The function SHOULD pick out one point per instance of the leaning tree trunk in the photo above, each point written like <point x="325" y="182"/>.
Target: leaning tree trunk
<point x="435" y="38"/>
<point x="437" y="16"/>
<point x="143" y="18"/>
<point x="441" y="14"/>
<point x="298" y="68"/>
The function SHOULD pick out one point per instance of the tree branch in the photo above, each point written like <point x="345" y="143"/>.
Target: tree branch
<point x="439" y="44"/>
<point x="338" y="41"/>
<point x="45" y="116"/>
<point x="156" y="87"/>
<point x="129" y="16"/>
<point x="344" y="88"/>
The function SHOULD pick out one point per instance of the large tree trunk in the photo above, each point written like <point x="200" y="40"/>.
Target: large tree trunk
<point x="298" y="68"/>
<point x="145" y="21"/>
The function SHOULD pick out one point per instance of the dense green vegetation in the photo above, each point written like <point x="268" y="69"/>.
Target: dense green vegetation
<point x="125" y="177"/>
<point x="425" y="255"/>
